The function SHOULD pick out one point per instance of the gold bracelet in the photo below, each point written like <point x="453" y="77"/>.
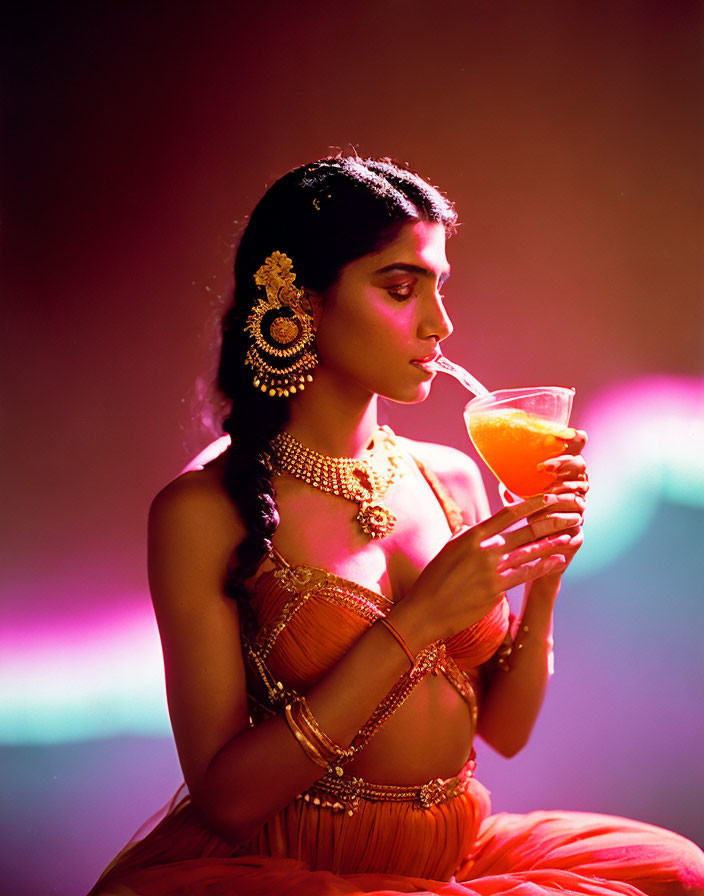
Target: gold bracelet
<point x="307" y="720"/>
<point x="335" y="754"/>
<point x="505" y="652"/>
<point x="313" y="740"/>
<point x="399" y="638"/>
<point x="308" y="748"/>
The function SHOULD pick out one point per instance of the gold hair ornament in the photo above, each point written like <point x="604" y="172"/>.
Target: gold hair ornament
<point x="282" y="355"/>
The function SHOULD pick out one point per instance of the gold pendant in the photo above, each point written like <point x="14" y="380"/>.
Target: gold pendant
<point x="376" y="520"/>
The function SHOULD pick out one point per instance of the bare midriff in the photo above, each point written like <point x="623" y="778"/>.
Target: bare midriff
<point x="430" y="736"/>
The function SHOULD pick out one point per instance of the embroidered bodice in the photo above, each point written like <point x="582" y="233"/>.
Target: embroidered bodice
<point x="307" y="618"/>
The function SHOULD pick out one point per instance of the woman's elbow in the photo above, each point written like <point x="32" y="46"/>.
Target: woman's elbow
<point x="232" y="819"/>
<point x="506" y="743"/>
<point x="509" y="748"/>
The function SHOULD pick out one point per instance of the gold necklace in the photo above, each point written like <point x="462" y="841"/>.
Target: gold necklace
<point x="356" y="479"/>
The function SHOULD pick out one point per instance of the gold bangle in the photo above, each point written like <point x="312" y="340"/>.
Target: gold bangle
<point x="505" y="652"/>
<point x="307" y="720"/>
<point x="308" y="748"/>
<point x="399" y="638"/>
<point x="314" y="742"/>
<point x="335" y="754"/>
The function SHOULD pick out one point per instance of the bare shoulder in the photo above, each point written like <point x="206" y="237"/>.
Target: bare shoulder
<point x="198" y="498"/>
<point x="193" y="526"/>
<point x="458" y="473"/>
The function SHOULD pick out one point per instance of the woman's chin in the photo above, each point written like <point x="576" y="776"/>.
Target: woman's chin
<point x="413" y="395"/>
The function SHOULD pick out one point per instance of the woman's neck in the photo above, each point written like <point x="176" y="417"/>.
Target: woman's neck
<point x="333" y="421"/>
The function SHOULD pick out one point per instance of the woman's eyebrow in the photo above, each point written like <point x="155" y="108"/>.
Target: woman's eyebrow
<point x="414" y="269"/>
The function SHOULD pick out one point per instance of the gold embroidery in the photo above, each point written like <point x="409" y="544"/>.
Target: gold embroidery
<point x="300" y="579"/>
<point x="309" y="581"/>
<point x="270" y="632"/>
<point x="346" y="793"/>
<point x="358" y="603"/>
<point x="276" y="692"/>
<point x="462" y="683"/>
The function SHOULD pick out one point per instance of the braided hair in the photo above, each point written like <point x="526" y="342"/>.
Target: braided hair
<point x="323" y="216"/>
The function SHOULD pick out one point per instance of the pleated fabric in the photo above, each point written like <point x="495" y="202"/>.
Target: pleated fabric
<point x="328" y="619"/>
<point x="455" y="849"/>
<point x="380" y="837"/>
<point x="317" y="635"/>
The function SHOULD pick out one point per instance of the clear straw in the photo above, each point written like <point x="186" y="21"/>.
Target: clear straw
<point x="471" y="383"/>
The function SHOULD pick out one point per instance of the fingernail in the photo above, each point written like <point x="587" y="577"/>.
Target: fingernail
<point x="549" y="465"/>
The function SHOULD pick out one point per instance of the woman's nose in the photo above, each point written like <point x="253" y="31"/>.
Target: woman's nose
<point x="436" y="321"/>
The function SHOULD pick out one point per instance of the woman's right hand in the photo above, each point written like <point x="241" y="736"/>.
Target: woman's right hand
<point x="468" y="577"/>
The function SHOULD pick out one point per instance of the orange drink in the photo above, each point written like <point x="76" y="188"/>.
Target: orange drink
<point x="516" y="429"/>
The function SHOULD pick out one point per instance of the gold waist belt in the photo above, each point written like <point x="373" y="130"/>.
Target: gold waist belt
<point x="344" y="794"/>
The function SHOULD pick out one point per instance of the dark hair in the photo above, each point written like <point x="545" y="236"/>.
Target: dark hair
<point x="322" y="216"/>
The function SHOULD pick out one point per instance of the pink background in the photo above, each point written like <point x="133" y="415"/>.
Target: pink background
<point x="136" y="142"/>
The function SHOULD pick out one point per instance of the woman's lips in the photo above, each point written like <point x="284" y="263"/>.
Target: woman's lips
<point x="426" y="360"/>
<point x="424" y="364"/>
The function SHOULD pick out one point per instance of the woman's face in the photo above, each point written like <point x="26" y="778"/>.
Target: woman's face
<point x="384" y="312"/>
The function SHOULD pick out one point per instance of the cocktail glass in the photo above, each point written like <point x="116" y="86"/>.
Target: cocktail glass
<point x="516" y="429"/>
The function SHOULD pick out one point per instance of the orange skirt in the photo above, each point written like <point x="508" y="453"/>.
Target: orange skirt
<point x="388" y="848"/>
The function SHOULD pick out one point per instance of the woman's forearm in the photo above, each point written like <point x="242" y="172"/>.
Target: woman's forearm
<point x="261" y="770"/>
<point x="515" y="692"/>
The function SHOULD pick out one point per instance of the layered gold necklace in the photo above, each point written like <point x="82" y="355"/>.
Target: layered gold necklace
<point x="356" y="479"/>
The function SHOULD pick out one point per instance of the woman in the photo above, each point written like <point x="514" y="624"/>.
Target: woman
<point x="334" y="624"/>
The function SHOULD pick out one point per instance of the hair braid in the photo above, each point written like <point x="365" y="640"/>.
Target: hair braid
<point x="248" y="478"/>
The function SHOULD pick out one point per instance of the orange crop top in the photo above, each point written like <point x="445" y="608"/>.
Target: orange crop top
<point x="308" y="618"/>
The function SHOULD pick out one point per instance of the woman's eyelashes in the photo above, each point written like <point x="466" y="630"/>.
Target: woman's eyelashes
<point x="401" y="291"/>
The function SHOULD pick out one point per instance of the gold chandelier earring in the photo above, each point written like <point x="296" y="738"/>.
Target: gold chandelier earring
<point x="282" y="354"/>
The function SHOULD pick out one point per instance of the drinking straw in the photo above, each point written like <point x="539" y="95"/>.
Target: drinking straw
<point x="471" y="383"/>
